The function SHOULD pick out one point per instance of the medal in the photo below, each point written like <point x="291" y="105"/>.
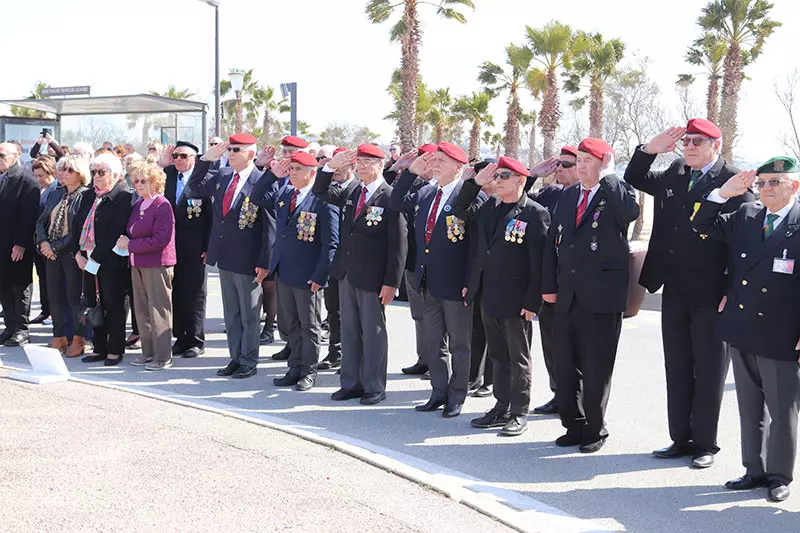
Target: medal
<point x="594" y="225"/>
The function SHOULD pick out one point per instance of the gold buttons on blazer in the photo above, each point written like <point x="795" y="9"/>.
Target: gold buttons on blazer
<point x="763" y="289"/>
<point x="741" y="306"/>
<point x="760" y="314"/>
<point x="744" y="282"/>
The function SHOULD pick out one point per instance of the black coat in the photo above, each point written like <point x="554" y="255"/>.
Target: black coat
<point x="591" y="263"/>
<point x="43" y="222"/>
<point x="506" y="274"/>
<point x="191" y="234"/>
<point x="110" y="221"/>
<point x="762" y="315"/>
<point x="371" y="256"/>
<point x="19" y="209"/>
<point x="676" y="251"/>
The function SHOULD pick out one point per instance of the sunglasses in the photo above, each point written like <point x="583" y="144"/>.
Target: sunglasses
<point x="152" y="149"/>
<point x="566" y="164"/>
<point x="213" y="144"/>
<point x="392" y="149"/>
<point x="774" y="182"/>
<point x="69" y="170"/>
<point x="695" y="141"/>
<point x="503" y="175"/>
<point x="235" y="149"/>
<point x="3" y="156"/>
<point x="101" y="172"/>
<point x="181" y="156"/>
<point x="137" y="182"/>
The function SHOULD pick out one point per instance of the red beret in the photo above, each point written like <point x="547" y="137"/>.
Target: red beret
<point x="513" y="165"/>
<point x="427" y="149"/>
<point x="595" y="147"/>
<point x="304" y="158"/>
<point x="339" y="150"/>
<point x="297" y="142"/>
<point x="454" y="152"/>
<point x="703" y="127"/>
<point x="569" y="150"/>
<point x="242" y="138"/>
<point x="370" y="150"/>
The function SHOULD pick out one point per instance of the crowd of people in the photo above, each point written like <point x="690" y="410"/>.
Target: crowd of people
<point x="478" y="248"/>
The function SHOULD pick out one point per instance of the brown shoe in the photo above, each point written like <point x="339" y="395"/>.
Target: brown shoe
<point x="77" y="347"/>
<point x="60" y="344"/>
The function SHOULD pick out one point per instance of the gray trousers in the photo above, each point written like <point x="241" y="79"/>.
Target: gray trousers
<point x="241" y="305"/>
<point x="152" y="292"/>
<point x="365" y="342"/>
<point x="301" y="310"/>
<point x="769" y="436"/>
<point x="448" y="328"/>
<point x="417" y="305"/>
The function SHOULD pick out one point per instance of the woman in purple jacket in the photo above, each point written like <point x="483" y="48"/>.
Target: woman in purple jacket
<point x="151" y="244"/>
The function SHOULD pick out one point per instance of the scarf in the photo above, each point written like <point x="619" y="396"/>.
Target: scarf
<point x="59" y="227"/>
<point x="86" y="241"/>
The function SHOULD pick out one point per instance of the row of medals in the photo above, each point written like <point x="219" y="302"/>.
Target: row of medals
<point x="306" y="227"/>
<point x="248" y="214"/>
<point x="455" y="232"/>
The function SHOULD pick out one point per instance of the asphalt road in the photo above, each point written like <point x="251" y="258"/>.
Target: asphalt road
<point x="620" y="488"/>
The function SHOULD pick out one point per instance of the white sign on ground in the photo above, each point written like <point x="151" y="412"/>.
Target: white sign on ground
<point x="47" y="366"/>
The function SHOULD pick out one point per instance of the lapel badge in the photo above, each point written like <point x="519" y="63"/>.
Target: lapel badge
<point x="704" y="236"/>
<point x="670" y="194"/>
<point x="448" y="208"/>
<point x="778" y="164"/>
<point x="281" y="203"/>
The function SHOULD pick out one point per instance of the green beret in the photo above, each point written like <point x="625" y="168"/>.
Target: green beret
<point x="779" y="165"/>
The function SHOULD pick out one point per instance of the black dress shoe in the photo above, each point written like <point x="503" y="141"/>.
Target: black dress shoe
<point x="228" y="370"/>
<point x="494" y="418"/>
<point x="177" y="349"/>
<point x="191" y="353"/>
<point x="330" y="362"/>
<point x="289" y="380"/>
<point x="515" y="426"/>
<point x="267" y="335"/>
<point x="451" y="411"/>
<point x="704" y="460"/>
<point x="371" y="398"/>
<point x="431" y="405"/>
<point x="20" y="338"/>
<point x="41" y="317"/>
<point x="416" y="369"/>
<point x="746" y="482"/>
<point x="307" y="382"/>
<point x="5" y="335"/>
<point x="483" y="392"/>
<point x="550" y="408"/>
<point x="112" y="362"/>
<point x="475" y="385"/>
<point x="245" y="371"/>
<point x="283" y="355"/>
<point x="426" y="376"/>
<point x="778" y="492"/>
<point x="672" y="451"/>
<point x="591" y="447"/>
<point x="93" y="358"/>
<point x="568" y="439"/>
<point x="346" y="394"/>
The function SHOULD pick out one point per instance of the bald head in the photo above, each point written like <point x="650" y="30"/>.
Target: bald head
<point x="8" y="156"/>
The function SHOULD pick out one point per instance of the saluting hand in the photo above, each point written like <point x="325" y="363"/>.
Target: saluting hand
<point x="265" y="156"/>
<point x="166" y="156"/>
<point x="486" y="175"/>
<point x="404" y="161"/>
<point x="529" y="315"/>
<point x="666" y="141"/>
<point x="738" y="184"/>
<point x="545" y="168"/>
<point x="421" y="163"/>
<point x="468" y="174"/>
<point x="343" y="159"/>
<point x="215" y="152"/>
<point x="281" y="168"/>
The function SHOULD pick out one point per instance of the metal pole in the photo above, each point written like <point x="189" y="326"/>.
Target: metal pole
<point x="293" y="87"/>
<point x="217" y="105"/>
<point x="204" y="143"/>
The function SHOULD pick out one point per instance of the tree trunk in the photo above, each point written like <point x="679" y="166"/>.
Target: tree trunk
<point x="420" y="136"/>
<point x="238" y="115"/>
<point x="550" y="114"/>
<point x="475" y="140"/>
<point x="497" y="151"/>
<point x="532" y="146"/>
<point x="410" y="77"/>
<point x="265" y="128"/>
<point x="596" y="108"/>
<point x="731" y="83"/>
<point x="638" y="226"/>
<point x="712" y="101"/>
<point x="438" y="133"/>
<point x="512" y="126"/>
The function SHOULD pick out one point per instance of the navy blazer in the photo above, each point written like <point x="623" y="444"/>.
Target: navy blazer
<point x="442" y="266"/>
<point x="191" y="234"/>
<point x="231" y="248"/>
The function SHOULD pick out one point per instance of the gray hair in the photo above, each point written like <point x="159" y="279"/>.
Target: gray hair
<point x="84" y="149"/>
<point x="108" y="160"/>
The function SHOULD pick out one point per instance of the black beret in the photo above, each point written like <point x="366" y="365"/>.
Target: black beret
<point x="187" y="145"/>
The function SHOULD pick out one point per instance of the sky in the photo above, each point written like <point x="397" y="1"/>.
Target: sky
<point x="342" y="63"/>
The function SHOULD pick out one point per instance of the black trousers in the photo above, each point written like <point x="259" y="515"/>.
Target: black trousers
<point x="696" y="362"/>
<point x="480" y="362"/>
<point x="16" y="301"/>
<point x="129" y="303"/>
<point x="64" y="282"/>
<point x="509" y="344"/>
<point x="110" y="337"/>
<point x="547" y="329"/>
<point x="586" y="349"/>
<point x="331" y="295"/>
<point x="40" y="262"/>
<point x="189" y="302"/>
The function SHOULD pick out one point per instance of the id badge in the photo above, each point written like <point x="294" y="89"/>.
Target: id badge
<point x="781" y="265"/>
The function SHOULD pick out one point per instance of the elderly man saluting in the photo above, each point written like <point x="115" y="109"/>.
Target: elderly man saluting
<point x="761" y="320"/>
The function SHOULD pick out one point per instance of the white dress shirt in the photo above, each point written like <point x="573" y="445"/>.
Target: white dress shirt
<point x="243" y="177"/>
<point x="301" y="194"/>
<point x="715" y="197"/>
<point x="592" y="192"/>
<point x="447" y="190"/>
<point x="372" y="187"/>
<point x="180" y="185"/>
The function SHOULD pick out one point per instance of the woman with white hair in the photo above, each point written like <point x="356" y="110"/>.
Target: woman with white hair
<point x="102" y="218"/>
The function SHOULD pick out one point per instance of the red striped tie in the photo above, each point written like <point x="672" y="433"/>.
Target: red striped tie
<point x="432" y="217"/>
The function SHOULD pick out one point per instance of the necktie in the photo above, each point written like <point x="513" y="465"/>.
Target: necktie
<point x="582" y="207"/>
<point x="696" y="174"/>
<point x="432" y="217"/>
<point x="293" y="203"/>
<point x="361" y="201"/>
<point x="227" y="200"/>
<point x="770" y="227"/>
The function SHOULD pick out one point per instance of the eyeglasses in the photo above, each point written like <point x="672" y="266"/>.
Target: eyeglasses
<point x="503" y="175"/>
<point x="142" y="181"/>
<point x="69" y="170"/>
<point x="774" y="182"/>
<point x="366" y="160"/>
<point x="566" y="164"/>
<point x="100" y="172"/>
<point x="151" y="149"/>
<point x="213" y="144"/>
<point x="392" y="149"/>
<point x="696" y="141"/>
<point x="235" y="149"/>
<point x="3" y="156"/>
<point x="181" y="156"/>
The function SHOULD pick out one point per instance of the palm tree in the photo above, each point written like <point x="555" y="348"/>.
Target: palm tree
<point x="36" y="94"/>
<point x="498" y="79"/>
<point x="440" y="116"/>
<point x="553" y="46"/>
<point x="598" y="61"/>
<point x="743" y="26"/>
<point x="495" y="140"/>
<point x="709" y="51"/>
<point x="529" y="119"/>
<point x="263" y="103"/>
<point x="235" y="107"/>
<point x="407" y="31"/>
<point x="475" y="109"/>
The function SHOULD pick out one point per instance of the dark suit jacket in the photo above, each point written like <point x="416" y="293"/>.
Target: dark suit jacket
<point x="19" y="208"/>
<point x="43" y="222"/>
<point x="676" y="251"/>
<point x="231" y="248"/>
<point x="591" y="263"/>
<point x="416" y="185"/>
<point x="548" y="196"/>
<point x="506" y="275"/>
<point x="110" y="221"/>
<point x="442" y="266"/>
<point x="371" y="256"/>
<point x="191" y="234"/>
<point x="762" y="315"/>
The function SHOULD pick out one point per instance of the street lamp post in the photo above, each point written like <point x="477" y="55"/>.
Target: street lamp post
<point x="286" y="90"/>
<point x="237" y="83"/>
<point x="217" y="104"/>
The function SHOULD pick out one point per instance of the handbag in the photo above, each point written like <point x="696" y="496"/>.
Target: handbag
<point x="92" y="316"/>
